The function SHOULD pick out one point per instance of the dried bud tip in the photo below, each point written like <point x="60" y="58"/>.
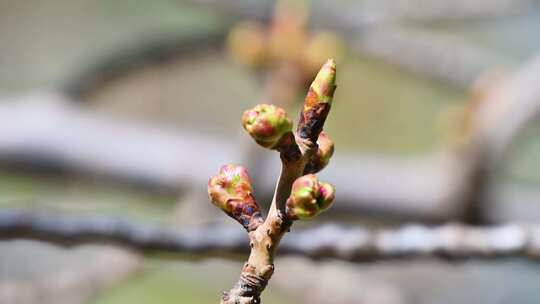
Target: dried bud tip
<point x="231" y="191"/>
<point x="324" y="84"/>
<point x="266" y="124"/>
<point x="309" y="197"/>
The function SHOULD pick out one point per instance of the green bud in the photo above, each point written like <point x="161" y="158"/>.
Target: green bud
<point x="266" y="124"/>
<point x="318" y="102"/>
<point x="309" y="197"/>
<point x="231" y="191"/>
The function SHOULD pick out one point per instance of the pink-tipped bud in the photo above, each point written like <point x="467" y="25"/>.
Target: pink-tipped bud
<point x="309" y="197"/>
<point x="231" y="191"/>
<point x="266" y="124"/>
<point x="322" y="157"/>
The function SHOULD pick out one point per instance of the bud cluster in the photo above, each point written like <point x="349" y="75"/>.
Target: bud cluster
<point x="285" y="40"/>
<point x="271" y="128"/>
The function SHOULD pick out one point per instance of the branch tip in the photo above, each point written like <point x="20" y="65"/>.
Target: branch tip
<point x="318" y="102"/>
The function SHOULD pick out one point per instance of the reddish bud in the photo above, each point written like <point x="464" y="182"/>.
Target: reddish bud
<point x="231" y="191"/>
<point x="266" y="124"/>
<point x="309" y="197"/>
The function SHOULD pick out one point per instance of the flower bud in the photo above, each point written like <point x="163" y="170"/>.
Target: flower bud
<point x="266" y="124"/>
<point x="322" y="157"/>
<point x="309" y="197"/>
<point x="231" y="191"/>
<point x="318" y="102"/>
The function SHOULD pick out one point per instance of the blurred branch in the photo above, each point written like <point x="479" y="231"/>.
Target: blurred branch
<point x="47" y="131"/>
<point x="150" y="53"/>
<point x="355" y="15"/>
<point x="33" y="132"/>
<point x="442" y="57"/>
<point x="373" y="28"/>
<point x="328" y="241"/>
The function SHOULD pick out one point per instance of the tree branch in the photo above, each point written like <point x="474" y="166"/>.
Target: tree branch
<point x="330" y="241"/>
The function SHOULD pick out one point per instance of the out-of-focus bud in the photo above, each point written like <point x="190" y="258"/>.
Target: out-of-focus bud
<point x="321" y="46"/>
<point x="309" y="197"/>
<point x="247" y="43"/>
<point x="266" y="124"/>
<point x="231" y="191"/>
<point x="322" y="157"/>
<point x="288" y="37"/>
<point x="287" y="40"/>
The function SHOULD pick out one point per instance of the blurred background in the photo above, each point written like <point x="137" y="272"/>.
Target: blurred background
<point x="124" y="109"/>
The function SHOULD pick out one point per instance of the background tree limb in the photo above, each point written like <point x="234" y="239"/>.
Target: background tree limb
<point x="330" y="241"/>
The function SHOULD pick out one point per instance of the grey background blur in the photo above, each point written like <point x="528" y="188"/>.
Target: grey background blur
<point x="162" y="65"/>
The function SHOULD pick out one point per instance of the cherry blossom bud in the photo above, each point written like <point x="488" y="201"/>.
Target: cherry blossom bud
<point x="266" y="124"/>
<point x="231" y="191"/>
<point x="309" y="197"/>
<point x="318" y="102"/>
